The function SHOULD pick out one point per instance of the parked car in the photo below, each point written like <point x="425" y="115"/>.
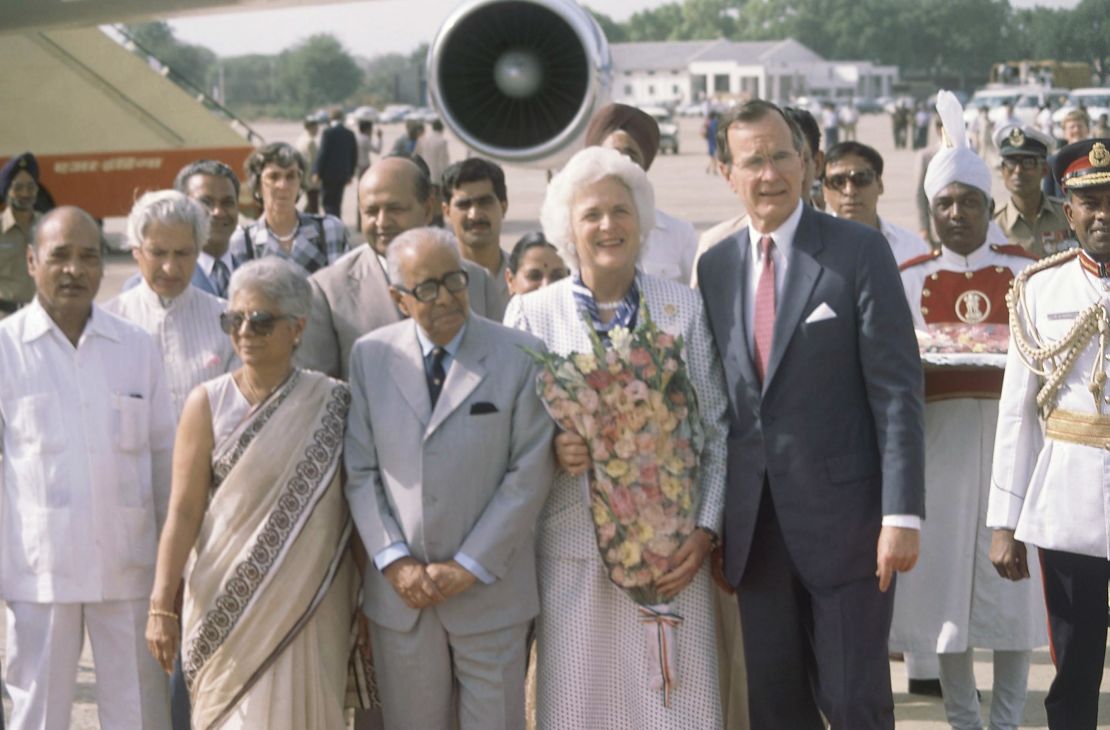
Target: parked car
<point x="867" y="105"/>
<point x="668" y="130"/>
<point x="362" y="114"/>
<point x="1096" y="100"/>
<point x="395" y="113"/>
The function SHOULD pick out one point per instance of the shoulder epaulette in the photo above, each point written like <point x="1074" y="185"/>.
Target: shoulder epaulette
<point x="1012" y="249"/>
<point x="917" y="260"/>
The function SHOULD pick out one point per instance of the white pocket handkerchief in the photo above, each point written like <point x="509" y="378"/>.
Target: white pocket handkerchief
<point x="821" y="313"/>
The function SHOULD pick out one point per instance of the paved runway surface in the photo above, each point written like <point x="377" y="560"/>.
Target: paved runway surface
<point x="685" y="190"/>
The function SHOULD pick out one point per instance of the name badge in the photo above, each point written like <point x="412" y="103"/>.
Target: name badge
<point x="1062" y="315"/>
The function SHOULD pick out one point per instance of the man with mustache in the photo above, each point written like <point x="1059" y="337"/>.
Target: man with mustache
<point x="19" y="184"/>
<point x="1029" y="218"/>
<point x="1049" y="481"/>
<point x="475" y="203"/>
<point x="351" y="297"/>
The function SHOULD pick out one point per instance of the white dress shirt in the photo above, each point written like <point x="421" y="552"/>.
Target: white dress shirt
<point x="670" y="249"/>
<point x="399" y="550"/>
<point x="187" y="330"/>
<point x="87" y="434"/>
<point x="904" y="243"/>
<point x="783" y="237"/>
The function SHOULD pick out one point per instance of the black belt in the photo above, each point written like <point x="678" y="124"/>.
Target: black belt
<point x="8" y="307"/>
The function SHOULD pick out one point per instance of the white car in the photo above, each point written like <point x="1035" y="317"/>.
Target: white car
<point x="668" y="130"/>
<point x="395" y="113"/>
<point x="1096" y="100"/>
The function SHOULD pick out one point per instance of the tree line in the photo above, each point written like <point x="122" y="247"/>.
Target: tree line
<point x="924" y="38"/>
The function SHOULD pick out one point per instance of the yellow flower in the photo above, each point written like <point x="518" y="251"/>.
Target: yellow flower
<point x="617" y="468"/>
<point x="587" y="363"/>
<point x="630" y="554"/>
<point x="601" y="514"/>
<point x="645" y="532"/>
<point x="671" y="487"/>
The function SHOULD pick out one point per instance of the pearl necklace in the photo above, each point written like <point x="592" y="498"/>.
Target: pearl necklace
<point x="609" y="306"/>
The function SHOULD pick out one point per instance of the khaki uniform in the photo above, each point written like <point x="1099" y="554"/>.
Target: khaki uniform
<point x="16" y="285"/>
<point x="1048" y="234"/>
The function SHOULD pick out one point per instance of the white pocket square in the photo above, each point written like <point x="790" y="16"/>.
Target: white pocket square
<point x="823" y="312"/>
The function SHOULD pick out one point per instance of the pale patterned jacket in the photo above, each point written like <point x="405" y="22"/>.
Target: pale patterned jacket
<point x="565" y="528"/>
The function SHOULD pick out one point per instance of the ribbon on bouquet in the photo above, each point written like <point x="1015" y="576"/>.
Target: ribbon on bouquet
<point x="659" y="625"/>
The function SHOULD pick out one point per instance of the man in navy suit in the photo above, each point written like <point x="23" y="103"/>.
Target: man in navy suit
<point x="826" y="454"/>
<point x="336" y="162"/>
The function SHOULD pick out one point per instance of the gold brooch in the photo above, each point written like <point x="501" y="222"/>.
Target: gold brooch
<point x="670" y="310"/>
<point x="1099" y="156"/>
<point x="1017" y="137"/>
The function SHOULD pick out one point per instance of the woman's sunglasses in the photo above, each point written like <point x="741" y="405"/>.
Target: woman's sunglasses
<point x="258" y="323"/>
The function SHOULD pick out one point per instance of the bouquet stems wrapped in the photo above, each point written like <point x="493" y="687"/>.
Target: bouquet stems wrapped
<point x="633" y="403"/>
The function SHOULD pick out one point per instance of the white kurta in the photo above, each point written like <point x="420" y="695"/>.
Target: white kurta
<point x="187" y="331"/>
<point x="87" y="436"/>
<point x="593" y="665"/>
<point x="954" y="599"/>
<point x="670" y="249"/>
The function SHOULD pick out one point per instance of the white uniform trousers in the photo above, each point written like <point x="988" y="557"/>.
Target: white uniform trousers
<point x="922" y="665"/>
<point x="418" y="670"/>
<point x="44" y="646"/>
<point x="961" y="703"/>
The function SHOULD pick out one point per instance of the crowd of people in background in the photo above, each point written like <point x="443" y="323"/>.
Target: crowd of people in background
<point x="305" y="475"/>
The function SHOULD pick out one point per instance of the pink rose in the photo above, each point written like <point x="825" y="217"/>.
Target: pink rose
<point x="587" y="399"/>
<point x="664" y="340"/>
<point x="639" y="357"/>
<point x="623" y="505"/>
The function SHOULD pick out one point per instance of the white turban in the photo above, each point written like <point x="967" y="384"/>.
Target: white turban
<point x="955" y="162"/>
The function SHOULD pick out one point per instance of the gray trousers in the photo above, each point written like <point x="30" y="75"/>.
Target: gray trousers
<point x="961" y="703"/>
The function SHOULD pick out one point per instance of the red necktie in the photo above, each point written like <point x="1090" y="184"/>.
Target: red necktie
<point x="764" y="308"/>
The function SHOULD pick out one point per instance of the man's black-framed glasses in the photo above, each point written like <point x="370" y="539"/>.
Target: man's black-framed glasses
<point x="427" y="291"/>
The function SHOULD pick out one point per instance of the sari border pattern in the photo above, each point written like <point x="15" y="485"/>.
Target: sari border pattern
<point x="297" y="496"/>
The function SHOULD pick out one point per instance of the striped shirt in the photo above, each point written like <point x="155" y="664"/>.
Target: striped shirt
<point x="318" y="242"/>
<point x="187" y="331"/>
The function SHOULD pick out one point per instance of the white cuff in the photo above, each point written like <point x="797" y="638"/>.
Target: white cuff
<point x="474" y="567"/>
<point x="911" y="522"/>
<point x="391" y="554"/>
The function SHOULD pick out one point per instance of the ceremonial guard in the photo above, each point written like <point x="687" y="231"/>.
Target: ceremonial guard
<point x="954" y="601"/>
<point x="1051" y="477"/>
<point x="1029" y="218"/>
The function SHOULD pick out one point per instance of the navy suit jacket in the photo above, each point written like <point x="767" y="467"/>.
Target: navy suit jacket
<point x="338" y="154"/>
<point x="836" y="431"/>
<point x="200" y="280"/>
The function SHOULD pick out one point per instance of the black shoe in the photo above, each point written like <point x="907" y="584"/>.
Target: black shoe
<point x="927" y="687"/>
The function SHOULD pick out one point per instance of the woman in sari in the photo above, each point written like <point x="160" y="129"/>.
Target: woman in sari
<point x="257" y="510"/>
<point x="592" y="661"/>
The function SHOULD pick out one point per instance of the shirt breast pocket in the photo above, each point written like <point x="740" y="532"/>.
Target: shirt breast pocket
<point x="132" y="423"/>
<point x="36" y="423"/>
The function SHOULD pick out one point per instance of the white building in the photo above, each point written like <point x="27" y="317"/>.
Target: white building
<point x="690" y="71"/>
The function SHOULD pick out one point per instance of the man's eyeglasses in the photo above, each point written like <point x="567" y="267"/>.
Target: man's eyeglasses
<point x="258" y="323"/>
<point x="1024" y="162"/>
<point x="427" y="291"/>
<point x="858" y="178"/>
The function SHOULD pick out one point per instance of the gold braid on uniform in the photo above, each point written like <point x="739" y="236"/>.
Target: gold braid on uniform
<point x="1034" y="353"/>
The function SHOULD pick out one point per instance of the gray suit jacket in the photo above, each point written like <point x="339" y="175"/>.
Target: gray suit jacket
<point x="837" y="428"/>
<point x="351" y="298"/>
<point x="470" y="475"/>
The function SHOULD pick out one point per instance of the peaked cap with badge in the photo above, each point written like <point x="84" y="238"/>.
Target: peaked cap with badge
<point x="1084" y="164"/>
<point x="1022" y="139"/>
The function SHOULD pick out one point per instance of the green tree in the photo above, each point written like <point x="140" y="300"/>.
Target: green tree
<point x="249" y="80"/>
<point x="658" y="24"/>
<point x="185" y="60"/>
<point x="316" y="72"/>
<point x="613" y="30"/>
<point x="1087" y="31"/>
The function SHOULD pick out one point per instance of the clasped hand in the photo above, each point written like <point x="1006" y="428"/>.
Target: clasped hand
<point x="421" y="585"/>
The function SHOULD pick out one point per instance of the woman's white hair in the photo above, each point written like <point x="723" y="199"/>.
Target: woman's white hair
<point x="586" y="167"/>
<point x="167" y="206"/>
<point x="277" y="279"/>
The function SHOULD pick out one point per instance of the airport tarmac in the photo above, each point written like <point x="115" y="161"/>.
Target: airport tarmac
<point x="683" y="189"/>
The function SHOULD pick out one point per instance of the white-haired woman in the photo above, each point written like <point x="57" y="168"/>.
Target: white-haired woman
<point x="593" y="667"/>
<point x="257" y="509"/>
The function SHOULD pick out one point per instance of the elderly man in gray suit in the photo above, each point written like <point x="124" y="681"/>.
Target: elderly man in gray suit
<point x="449" y="460"/>
<point x="351" y="297"/>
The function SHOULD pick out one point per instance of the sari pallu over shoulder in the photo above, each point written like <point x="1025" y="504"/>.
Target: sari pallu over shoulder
<point x="272" y="549"/>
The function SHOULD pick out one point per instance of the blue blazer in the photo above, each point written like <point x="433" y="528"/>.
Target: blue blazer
<point x="835" y="433"/>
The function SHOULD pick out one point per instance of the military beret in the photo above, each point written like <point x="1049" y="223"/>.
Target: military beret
<point x="1083" y="164"/>
<point x="1017" y="139"/>
<point x="639" y="125"/>
<point x="12" y="167"/>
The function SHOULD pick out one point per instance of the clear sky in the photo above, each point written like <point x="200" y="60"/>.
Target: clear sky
<point x="368" y="28"/>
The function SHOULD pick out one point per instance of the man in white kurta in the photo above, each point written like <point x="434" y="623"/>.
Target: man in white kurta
<point x="86" y="427"/>
<point x="165" y="231"/>
<point x="954" y="601"/>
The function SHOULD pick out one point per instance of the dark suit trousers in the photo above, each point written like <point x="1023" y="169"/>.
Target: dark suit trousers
<point x="333" y="196"/>
<point x="811" y="649"/>
<point x="1075" y="594"/>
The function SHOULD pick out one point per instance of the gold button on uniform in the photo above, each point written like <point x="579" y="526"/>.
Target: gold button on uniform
<point x="926" y="293"/>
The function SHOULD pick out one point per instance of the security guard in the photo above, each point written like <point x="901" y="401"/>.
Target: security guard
<point x="1029" y="218"/>
<point x="19" y="186"/>
<point x="1050" y="485"/>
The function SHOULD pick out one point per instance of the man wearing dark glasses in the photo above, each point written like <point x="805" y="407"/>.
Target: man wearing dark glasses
<point x="449" y="461"/>
<point x="1030" y="219"/>
<point x="853" y="182"/>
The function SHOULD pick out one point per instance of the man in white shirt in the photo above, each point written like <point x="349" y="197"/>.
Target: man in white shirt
<point x="163" y="231"/>
<point x="853" y="182"/>
<point x="86" y="427"/>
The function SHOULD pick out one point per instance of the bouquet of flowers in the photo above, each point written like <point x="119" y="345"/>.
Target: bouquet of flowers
<point x="948" y="344"/>
<point x="636" y="408"/>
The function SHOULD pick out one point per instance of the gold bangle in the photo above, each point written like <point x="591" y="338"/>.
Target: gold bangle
<point x="163" y="614"/>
